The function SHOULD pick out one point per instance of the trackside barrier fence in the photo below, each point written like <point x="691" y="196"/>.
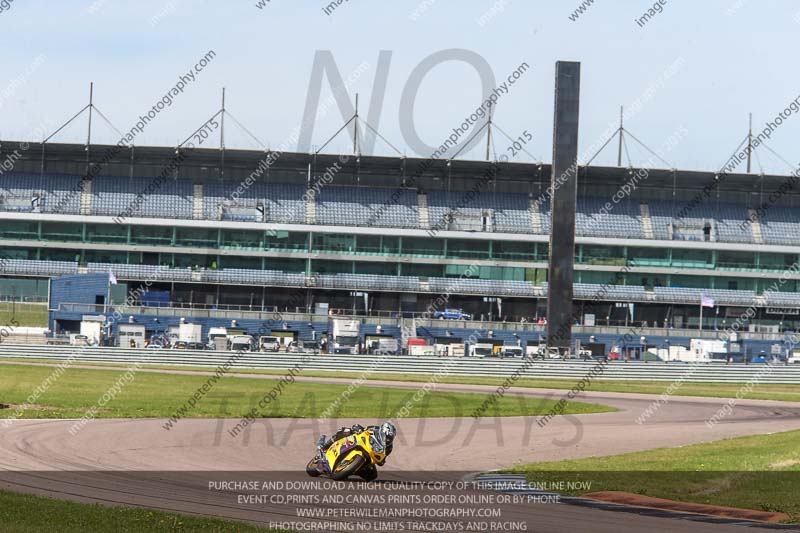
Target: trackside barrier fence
<point x="461" y="366"/>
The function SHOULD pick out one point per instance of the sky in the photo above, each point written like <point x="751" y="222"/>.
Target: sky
<point x="688" y="76"/>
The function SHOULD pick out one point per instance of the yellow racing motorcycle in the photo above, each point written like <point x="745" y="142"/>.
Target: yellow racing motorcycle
<point x="357" y="454"/>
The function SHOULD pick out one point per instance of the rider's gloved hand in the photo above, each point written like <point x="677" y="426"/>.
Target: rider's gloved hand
<point x="321" y="445"/>
<point x="357" y="428"/>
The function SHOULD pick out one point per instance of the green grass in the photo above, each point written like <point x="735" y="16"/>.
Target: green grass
<point x="22" y="513"/>
<point x="764" y="391"/>
<point x="760" y="472"/>
<point x="789" y="393"/>
<point x="27" y="315"/>
<point x="159" y="395"/>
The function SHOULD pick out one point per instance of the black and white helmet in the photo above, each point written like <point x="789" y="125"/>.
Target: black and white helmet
<point x="383" y="438"/>
<point x="387" y="433"/>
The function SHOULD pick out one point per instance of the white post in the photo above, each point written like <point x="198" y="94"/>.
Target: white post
<point x="701" y="313"/>
<point x="108" y="295"/>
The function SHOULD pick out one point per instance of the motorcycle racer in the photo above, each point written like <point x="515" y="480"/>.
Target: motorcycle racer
<point x="382" y="439"/>
<point x="353" y="451"/>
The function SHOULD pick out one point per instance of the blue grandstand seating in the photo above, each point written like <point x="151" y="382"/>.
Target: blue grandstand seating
<point x="248" y="277"/>
<point x="781" y="225"/>
<point x="54" y="193"/>
<point x="117" y="196"/>
<point x="726" y="220"/>
<point x="141" y="272"/>
<point x="623" y="221"/>
<point x="544" y="214"/>
<point x="729" y="219"/>
<point x="282" y="203"/>
<point x="605" y="292"/>
<point x="372" y="282"/>
<point x="383" y="206"/>
<point x="692" y="295"/>
<point x="483" y="286"/>
<point x="506" y="212"/>
<point x="367" y="281"/>
<point x="663" y="215"/>
<point x="778" y="299"/>
<point x="41" y="268"/>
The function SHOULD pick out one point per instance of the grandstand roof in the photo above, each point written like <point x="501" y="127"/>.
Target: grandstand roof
<point x="150" y="160"/>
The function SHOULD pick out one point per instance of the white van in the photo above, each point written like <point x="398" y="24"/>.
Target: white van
<point x="511" y="351"/>
<point x="218" y="338"/>
<point x="242" y="343"/>
<point x="76" y="339"/>
<point x="269" y="344"/>
<point x="549" y="352"/>
<point x="481" y="349"/>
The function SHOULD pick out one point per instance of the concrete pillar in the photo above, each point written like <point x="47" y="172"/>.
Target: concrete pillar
<point x="562" y="204"/>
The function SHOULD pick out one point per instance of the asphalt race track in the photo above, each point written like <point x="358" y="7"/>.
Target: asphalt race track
<point x="138" y="462"/>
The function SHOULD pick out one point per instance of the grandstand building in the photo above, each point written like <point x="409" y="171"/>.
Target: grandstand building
<point x="239" y="234"/>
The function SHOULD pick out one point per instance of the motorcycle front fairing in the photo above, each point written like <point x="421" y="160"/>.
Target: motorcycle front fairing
<point x="349" y="447"/>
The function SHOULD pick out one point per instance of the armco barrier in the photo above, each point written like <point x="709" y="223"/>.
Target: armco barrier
<point x="570" y="370"/>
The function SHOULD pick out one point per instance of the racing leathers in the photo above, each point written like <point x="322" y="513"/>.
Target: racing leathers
<point x="379" y="440"/>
